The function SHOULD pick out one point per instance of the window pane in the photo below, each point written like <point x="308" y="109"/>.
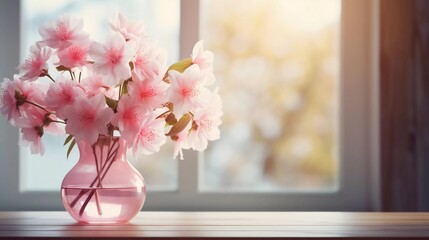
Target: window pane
<point x="161" y="19"/>
<point x="277" y="64"/>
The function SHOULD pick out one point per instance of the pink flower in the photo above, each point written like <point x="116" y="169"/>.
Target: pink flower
<point x="87" y="118"/>
<point x="204" y="59"/>
<point x="151" y="135"/>
<point x="206" y="124"/>
<point x="186" y="91"/>
<point x="13" y="97"/>
<point x="74" y="56"/>
<point x="129" y="29"/>
<point x="63" y="32"/>
<point x="113" y="58"/>
<point x="181" y="141"/>
<point x="94" y="84"/>
<point x="32" y="137"/>
<point x="40" y="118"/>
<point x="8" y="102"/>
<point x="149" y="62"/>
<point x="151" y="94"/>
<point x="128" y="118"/>
<point x="63" y="93"/>
<point x="36" y="64"/>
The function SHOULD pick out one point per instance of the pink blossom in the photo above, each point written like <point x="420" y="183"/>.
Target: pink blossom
<point x="32" y="91"/>
<point x="149" y="62"/>
<point x="63" y="32"/>
<point x="128" y="118"/>
<point x="181" y="141"/>
<point x="87" y="118"/>
<point x="36" y="64"/>
<point x="74" y="56"/>
<point x="151" y="135"/>
<point x="130" y="30"/>
<point x="63" y="93"/>
<point x="95" y="84"/>
<point x="40" y="118"/>
<point x="186" y="91"/>
<point x="206" y="123"/>
<point x="151" y="94"/>
<point x="204" y="59"/>
<point x="13" y="95"/>
<point x="32" y="137"/>
<point x="8" y="102"/>
<point x="30" y="114"/>
<point x="112" y="59"/>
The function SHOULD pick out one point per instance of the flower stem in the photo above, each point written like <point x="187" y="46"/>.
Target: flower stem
<point x="97" y="201"/>
<point x="49" y="76"/>
<point x="96" y="163"/>
<point x="71" y="75"/>
<point x="84" y="191"/>
<point x="37" y="105"/>
<point x="111" y="157"/>
<point x="93" y="191"/>
<point x="98" y="174"/>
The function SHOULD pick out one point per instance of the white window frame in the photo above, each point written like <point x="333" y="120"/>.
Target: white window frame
<point x="358" y="136"/>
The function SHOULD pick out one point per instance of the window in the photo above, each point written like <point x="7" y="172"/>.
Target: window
<point x="316" y="153"/>
<point x="277" y="63"/>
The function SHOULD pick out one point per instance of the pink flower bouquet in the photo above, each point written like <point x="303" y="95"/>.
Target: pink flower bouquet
<point x="121" y="87"/>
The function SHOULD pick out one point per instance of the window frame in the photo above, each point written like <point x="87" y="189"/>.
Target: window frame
<point x="358" y="131"/>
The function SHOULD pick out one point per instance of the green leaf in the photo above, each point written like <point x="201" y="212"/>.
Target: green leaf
<point x="70" y="137"/>
<point x="70" y="147"/>
<point x="125" y="87"/>
<point x="180" y="66"/>
<point x="112" y="103"/>
<point x="180" y="125"/>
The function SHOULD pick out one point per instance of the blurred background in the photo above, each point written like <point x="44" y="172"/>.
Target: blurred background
<point x="277" y="65"/>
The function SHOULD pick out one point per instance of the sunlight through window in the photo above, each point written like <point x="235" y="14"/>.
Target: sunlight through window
<point x="277" y="63"/>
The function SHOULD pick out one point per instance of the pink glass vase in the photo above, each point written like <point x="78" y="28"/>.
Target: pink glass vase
<point x="103" y="187"/>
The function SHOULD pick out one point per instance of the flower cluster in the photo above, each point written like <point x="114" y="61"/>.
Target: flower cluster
<point x="118" y="87"/>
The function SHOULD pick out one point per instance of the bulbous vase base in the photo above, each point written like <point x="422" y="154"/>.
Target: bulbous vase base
<point x="103" y="205"/>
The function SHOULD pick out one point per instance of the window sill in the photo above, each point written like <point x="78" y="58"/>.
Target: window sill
<point x="222" y="225"/>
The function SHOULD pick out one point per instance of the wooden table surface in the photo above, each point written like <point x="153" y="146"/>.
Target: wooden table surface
<point x="222" y="225"/>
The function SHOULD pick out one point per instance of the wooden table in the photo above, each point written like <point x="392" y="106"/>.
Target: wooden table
<point x="309" y="225"/>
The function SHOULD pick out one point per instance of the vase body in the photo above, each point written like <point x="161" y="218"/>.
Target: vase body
<point x="103" y="187"/>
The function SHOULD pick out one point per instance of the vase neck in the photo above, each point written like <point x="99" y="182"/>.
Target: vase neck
<point x="104" y="149"/>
